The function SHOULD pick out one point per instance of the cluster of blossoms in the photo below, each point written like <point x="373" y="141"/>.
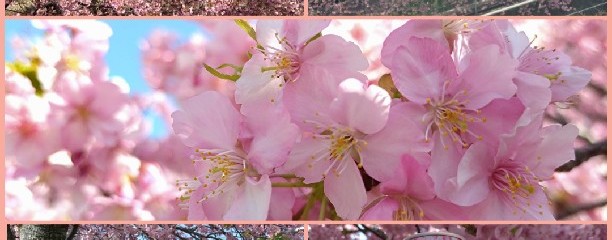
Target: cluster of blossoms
<point x="455" y="131"/>
<point x="368" y="119"/>
<point x="73" y="133"/>
<point x="154" y="8"/>
<point x="468" y="232"/>
<point x="77" y="144"/>
<point x="157" y="231"/>
<point x="585" y="185"/>
<point x="455" y="7"/>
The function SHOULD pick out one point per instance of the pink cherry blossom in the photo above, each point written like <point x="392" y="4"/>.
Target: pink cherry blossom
<point x="554" y="72"/>
<point x="90" y="110"/>
<point x="341" y="141"/>
<point x="30" y="136"/>
<point x="451" y="97"/>
<point x="410" y="196"/>
<point x="504" y="183"/>
<point x="287" y="54"/>
<point x="302" y="120"/>
<point x="232" y="162"/>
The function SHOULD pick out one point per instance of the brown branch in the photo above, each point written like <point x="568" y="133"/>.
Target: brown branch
<point x="377" y="232"/>
<point x="585" y="153"/>
<point x="73" y="231"/>
<point x="585" y="207"/>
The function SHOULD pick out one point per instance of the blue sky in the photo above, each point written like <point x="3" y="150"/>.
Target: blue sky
<point x="123" y="57"/>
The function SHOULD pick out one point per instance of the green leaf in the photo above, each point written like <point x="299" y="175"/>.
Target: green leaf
<point x="386" y="82"/>
<point x="30" y="72"/>
<point x="237" y="69"/>
<point x="313" y="38"/>
<point x="247" y="28"/>
<point x="221" y="75"/>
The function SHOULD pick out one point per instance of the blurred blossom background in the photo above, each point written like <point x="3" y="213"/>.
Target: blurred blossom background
<point x="69" y="156"/>
<point x="468" y="232"/>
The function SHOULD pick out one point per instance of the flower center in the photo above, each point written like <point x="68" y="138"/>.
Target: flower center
<point x="72" y="62"/>
<point x="286" y="59"/>
<point x="518" y="182"/>
<point x="343" y="144"/>
<point x="449" y="116"/>
<point x="408" y="209"/>
<point x="82" y="112"/>
<point x="226" y="170"/>
<point x="553" y="77"/>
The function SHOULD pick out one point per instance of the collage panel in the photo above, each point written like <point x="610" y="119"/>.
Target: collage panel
<point x="457" y="7"/>
<point x="155" y="232"/>
<point x="154" y="8"/>
<point x="329" y="120"/>
<point x="457" y="231"/>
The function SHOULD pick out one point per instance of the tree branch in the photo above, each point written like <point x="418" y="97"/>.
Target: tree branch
<point x="9" y="231"/>
<point x="377" y="232"/>
<point x="585" y="153"/>
<point x="585" y="207"/>
<point x="73" y="231"/>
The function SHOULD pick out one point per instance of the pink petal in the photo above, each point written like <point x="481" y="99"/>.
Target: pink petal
<point x="108" y="99"/>
<point x="473" y="175"/>
<point x="403" y="134"/>
<point x="518" y="42"/>
<point x="534" y="212"/>
<point x="489" y="34"/>
<point x="438" y="209"/>
<point x="300" y="31"/>
<point x="75" y="134"/>
<point x="556" y="148"/>
<point x="383" y="210"/>
<point x="412" y="28"/>
<point x="571" y="81"/>
<point x="493" y="207"/>
<point x="208" y="120"/>
<point x="411" y="179"/>
<point x="273" y="136"/>
<point x="334" y="53"/>
<point x="281" y="203"/>
<point x="252" y="201"/>
<point x="346" y="192"/>
<point x="497" y="207"/>
<point x="302" y="159"/>
<point x="485" y="75"/>
<point x="501" y="118"/>
<point x="255" y="85"/>
<point x="522" y="141"/>
<point x="213" y="208"/>
<point x="533" y="90"/>
<point x="366" y="110"/>
<point x="420" y="68"/>
<point x="444" y="167"/>
<point x="268" y="33"/>
<point x="308" y="98"/>
<point x="196" y="211"/>
<point x="419" y="185"/>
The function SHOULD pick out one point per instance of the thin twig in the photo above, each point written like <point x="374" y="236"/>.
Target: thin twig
<point x="377" y="232"/>
<point x="585" y="207"/>
<point x="585" y="153"/>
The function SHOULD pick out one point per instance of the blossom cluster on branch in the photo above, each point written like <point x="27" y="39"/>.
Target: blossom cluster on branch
<point x="456" y="7"/>
<point x="303" y="119"/>
<point x="157" y="231"/>
<point x="468" y="232"/>
<point x="154" y="8"/>
<point x="455" y="131"/>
